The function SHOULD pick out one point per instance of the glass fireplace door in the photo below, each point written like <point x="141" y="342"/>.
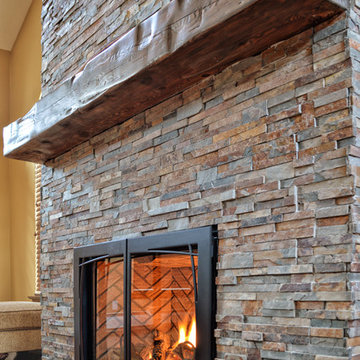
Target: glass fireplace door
<point x="163" y="316"/>
<point x="146" y="298"/>
<point x="110" y="309"/>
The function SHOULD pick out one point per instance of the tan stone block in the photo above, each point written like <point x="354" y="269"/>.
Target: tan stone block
<point x="318" y="149"/>
<point x="333" y="286"/>
<point x="329" y="89"/>
<point x="340" y="134"/>
<point x="274" y="346"/>
<point x="307" y="214"/>
<point x="238" y="87"/>
<point x="291" y="269"/>
<point x="261" y="129"/>
<point x="355" y="341"/>
<point x="261" y="161"/>
<point x="251" y="308"/>
<point x="284" y="210"/>
<point x="327" y="332"/>
<point x="295" y="224"/>
<point x="323" y="250"/>
<point x="330" y="108"/>
<point x="271" y="195"/>
<point x="293" y="322"/>
<point x="257" y="230"/>
<point x="354" y="151"/>
<point x="252" y="336"/>
<point x="338" y="305"/>
<point x="284" y="115"/>
<point x="270" y="254"/>
<point x="279" y="79"/>
<point x="229" y="225"/>
<point x="332" y="60"/>
<point x="344" y="200"/>
<point x="309" y="305"/>
<point x="331" y="221"/>
<point x="332" y="50"/>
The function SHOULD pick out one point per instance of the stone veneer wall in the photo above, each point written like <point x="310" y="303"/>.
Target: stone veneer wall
<point x="353" y="34"/>
<point x="265" y="150"/>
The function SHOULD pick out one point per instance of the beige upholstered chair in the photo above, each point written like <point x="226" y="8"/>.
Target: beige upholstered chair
<point x="20" y="326"/>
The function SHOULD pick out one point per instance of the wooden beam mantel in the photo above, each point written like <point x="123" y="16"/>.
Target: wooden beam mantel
<point x="173" y="49"/>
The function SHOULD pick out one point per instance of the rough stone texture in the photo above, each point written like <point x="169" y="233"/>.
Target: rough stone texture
<point x="170" y="51"/>
<point x="271" y="157"/>
<point x="353" y="341"/>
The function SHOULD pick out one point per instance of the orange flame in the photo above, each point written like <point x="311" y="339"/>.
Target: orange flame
<point x="190" y="336"/>
<point x="184" y="335"/>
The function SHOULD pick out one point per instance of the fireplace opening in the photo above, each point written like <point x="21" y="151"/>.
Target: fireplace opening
<point x="147" y="298"/>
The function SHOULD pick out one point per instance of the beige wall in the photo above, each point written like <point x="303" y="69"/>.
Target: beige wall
<point x="5" y="251"/>
<point x="25" y="89"/>
<point x="17" y="235"/>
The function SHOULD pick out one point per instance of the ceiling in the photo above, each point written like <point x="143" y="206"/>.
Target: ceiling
<point x="12" y="15"/>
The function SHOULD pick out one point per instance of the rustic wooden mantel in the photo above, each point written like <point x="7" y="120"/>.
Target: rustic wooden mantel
<point x="173" y="49"/>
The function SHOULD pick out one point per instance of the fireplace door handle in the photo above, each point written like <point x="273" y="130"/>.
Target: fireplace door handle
<point x="94" y="260"/>
<point x="193" y="273"/>
<point x="160" y="251"/>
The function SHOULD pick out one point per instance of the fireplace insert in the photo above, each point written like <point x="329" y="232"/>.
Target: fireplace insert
<point x="147" y="297"/>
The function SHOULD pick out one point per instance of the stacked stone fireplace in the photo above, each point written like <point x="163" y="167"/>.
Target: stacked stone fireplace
<point x="147" y="298"/>
<point x="241" y="115"/>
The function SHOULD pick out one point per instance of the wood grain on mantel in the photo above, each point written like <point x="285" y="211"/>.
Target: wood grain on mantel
<point x="173" y="49"/>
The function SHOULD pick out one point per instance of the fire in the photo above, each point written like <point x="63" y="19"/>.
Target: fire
<point x="184" y="348"/>
<point x="189" y="336"/>
<point x="182" y="334"/>
<point x="192" y="335"/>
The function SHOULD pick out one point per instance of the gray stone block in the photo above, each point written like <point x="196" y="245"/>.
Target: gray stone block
<point x="267" y="354"/>
<point x="247" y="95"/>
<point x="206" y="176"/>
<point x="214" y="102"/>
<point x="190" y="109"/>
<point x="332" y="97"/>
<point x="330" y="30"/>
<point x="254" y="112"/>
<point x="169" y="208"/>
<point x="279" y="305"/>
<point x="236" y="261"/>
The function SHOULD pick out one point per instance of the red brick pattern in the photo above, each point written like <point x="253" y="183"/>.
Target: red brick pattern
<point x="110" y="309"/>
<point x="162" y="300"/>
<point x="267" y="151"/>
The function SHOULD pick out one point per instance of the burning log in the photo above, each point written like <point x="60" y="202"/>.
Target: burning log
<point x="158" y="350"/>
<point x="183" y="351"/>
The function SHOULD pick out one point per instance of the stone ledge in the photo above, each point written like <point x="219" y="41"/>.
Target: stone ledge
<point x="173" y="49"/>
